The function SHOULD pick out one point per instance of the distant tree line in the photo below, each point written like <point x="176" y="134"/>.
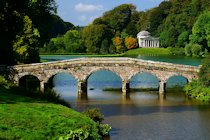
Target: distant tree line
<point x="182" y="25"/>
<point x="30" y="26"/>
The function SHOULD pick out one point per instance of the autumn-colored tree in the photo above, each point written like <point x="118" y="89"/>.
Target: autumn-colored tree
<point x="118" y="43"/>
<point x="131" y="42"/>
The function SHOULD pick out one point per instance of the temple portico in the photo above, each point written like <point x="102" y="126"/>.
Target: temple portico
<point x="147" y="41"/>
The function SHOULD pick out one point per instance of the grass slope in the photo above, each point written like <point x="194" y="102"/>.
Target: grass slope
<point x="26" y="118"/>
<point x="147" y="52"/>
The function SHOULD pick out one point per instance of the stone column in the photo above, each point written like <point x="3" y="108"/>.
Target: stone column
<point x="162" y="87"/>
<point x="43" y="86"/>
<point x="125" y="88"/>
<point x="82" y="89"/>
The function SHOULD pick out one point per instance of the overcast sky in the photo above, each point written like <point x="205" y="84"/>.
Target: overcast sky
<point x="83" y="12"/>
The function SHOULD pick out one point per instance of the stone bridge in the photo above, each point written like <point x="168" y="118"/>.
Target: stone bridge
<point x="82" y="68"/>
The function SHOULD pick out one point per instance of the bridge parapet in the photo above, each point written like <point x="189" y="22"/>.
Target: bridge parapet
<point x="104" y="61"/>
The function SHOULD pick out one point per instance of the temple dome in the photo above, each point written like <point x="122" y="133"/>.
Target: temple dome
<point x="143" y="34"/>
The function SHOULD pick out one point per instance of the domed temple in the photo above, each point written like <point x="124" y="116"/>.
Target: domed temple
<point x="147" y="41"/>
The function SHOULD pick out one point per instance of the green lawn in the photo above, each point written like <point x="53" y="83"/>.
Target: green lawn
<point x="147" y="52"/>
<point x="27" y="118"/>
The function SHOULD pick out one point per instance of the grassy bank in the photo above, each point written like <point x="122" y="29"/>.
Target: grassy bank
<point x="27" y="118"/>
<point x="147" y="52"/>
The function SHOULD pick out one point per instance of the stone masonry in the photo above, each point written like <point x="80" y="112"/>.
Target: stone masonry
<point x="82" y="68"/>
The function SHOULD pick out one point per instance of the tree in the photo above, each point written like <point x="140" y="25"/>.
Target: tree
<point x="187" y="49"/>
<point x="201" y="31"/>
<point x="93" y="35"/>
<point x="104" y="47"/>
<point x="72" y="41"/>
<point x="118" y="43"/>
<point x="143" y="22"/>
<point x="131" y="28"/>
<point x="183" y="39"/>
<point x="131" y="43"/>
<point x="26" y="44"/>
<point x="168" y="37"/>
<point x="58" y="26"/>
<point x="12" y="24"/>
<point x="42" y="14"/>
<point x="204" y="73"/>
<point x="55" y="45"/>
<point x="119" y="17"/>
<point x="193" y="50"/>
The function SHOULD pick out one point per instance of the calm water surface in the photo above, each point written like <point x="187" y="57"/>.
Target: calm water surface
<point x="145" y="115"/>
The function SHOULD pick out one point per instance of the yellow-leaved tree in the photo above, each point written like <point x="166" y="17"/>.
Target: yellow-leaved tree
<point x="26" y="44"/>
<point x="131" y="43"/>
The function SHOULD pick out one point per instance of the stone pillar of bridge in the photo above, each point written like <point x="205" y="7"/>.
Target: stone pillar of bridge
<point x="43" y="86"/>
<point x="162" y="87"/>
<point x="125" y="88"/>
<point x="82" y="89"/>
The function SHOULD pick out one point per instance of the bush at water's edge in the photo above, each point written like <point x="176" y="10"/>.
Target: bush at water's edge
<point x="197" y="91"/>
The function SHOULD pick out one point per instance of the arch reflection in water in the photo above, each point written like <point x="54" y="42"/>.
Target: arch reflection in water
<point x="103" y="83"/>
<point x="64" y="84"/>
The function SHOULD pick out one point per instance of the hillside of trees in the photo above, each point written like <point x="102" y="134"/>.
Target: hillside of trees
<point x="182" y="25"/>
<point x="32" y="26"/>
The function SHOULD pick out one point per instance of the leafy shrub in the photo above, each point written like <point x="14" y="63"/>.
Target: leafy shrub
<point x="84" y="133"/>
<point x="197" y="91"/>
<point x="176" y="51"/>
<point x="4" y="82"/>
<point x="188" y="50"/>
<point x="98" y="117"/>
<point x="196" y="50"/>
<point x="78" y="134"/>
<point x="104" y="129"/>
<point x="94" y="114"/>
<point x="204" y="73"/>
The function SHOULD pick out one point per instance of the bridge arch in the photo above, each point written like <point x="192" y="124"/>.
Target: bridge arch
<point x="103" y="69"/>
<point x="143" y="79"/>
<point x="29" y="81"/>
<point x="55" y="72"/>
<point x="178" y="75"/>
<point x="139" y="72"/>
<point x="176" y="80"/>
<point x="52" y="76"/>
